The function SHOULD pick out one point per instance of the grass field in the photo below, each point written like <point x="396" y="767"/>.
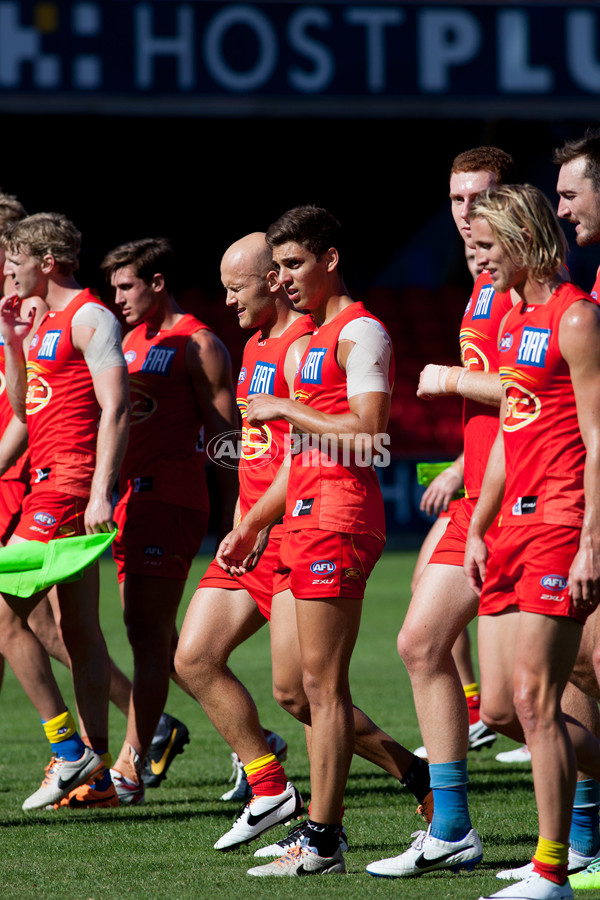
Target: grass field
<point x="164" y="849"/>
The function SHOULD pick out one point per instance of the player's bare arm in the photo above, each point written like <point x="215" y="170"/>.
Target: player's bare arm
<point x="209" y="367"/>
<point x="486" y="510"/>
<point x="12" y="444"/>
<point x="452" y="381"/>
<point x="579" y="342"/>
<point x="18" y="323"/>
<point x="444" y="486"/>
<point x="111" y="387"/>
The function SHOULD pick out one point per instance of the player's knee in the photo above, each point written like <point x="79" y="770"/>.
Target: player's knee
<point x="416" y="650"/>
<point x="293" y="700"/>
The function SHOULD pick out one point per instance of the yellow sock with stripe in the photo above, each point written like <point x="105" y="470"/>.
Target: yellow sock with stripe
<point x="551" y="860"/>
<point x="266" y="776"/>
<point x="473" y="701"/>
<point x="64" y="739"/>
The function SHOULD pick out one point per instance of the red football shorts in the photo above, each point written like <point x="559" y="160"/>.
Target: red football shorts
<point x="47" y="515"/>
<point x="321" y="564"/>
<point x="258" y="583"/>
<point x="528" y="568"/>
<point x="157" y="539"/>
<point x="450" y="549"/>
<point x="12" y="493"/>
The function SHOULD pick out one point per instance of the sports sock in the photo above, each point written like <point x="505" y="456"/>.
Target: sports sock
<point x="584" y="836"/>
<point x="551" y="860"/>
<point x="325" y="839"/>
<point x="61" y="732"/>
<point x="473" y="701"/>
<point x="451" y="820"/>
<point x="266" y="776"/>
<point x="416" y="779"/>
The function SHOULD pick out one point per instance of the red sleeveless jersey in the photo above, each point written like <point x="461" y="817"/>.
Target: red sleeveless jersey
<point x="595" y="291"/>
<point x="544" y="450"/>
<point x="62" y="410"/>
<point x="165" y="454"/>
<point x="262" y="372"/>
<point x="479" y="351"/>
<point x="327" y="488"/>
<point x="20" y="470"/>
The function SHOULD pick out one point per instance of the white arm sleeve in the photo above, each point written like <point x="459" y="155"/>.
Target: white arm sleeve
<point x="104" y="349"/>
<point x="368" y="362"/>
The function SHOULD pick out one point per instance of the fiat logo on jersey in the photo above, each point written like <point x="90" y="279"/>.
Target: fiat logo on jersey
<point x="522" y="406"/>
<point x="473" y="358"/>
<point x="554" y="582"/>
<point x="323" y="567"/>
<point x="142" y="404"/>
<point x="38" y="395"/>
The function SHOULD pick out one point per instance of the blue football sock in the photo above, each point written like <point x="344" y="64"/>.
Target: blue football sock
<point x="584" y="836"/>
<point x="449" y="781"/>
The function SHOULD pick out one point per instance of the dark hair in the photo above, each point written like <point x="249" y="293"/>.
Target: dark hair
<point x="589" y="147"/>
<point x="315" y="228"/>
<point x="488" y="159"/>
<point x="11" y="210"/>
<point x="147" y="257"/>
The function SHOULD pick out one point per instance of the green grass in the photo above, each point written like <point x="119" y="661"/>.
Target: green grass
<point x="164" y="849"/>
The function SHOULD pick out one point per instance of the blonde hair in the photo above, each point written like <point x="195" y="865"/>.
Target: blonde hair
<point x="44" y="233"/>
<point x="525" y="224"/>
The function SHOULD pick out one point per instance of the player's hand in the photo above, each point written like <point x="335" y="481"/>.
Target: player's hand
<point x="584" y="579"/>
<point x="264" y="408"/>
<point x="432" y="381"/>
<point x="236" y="553"/>
<point x="98" y="516"/>
<point x="440" y="492"/>
<point x="13" y="327"/>
<point x="475" y="562"/>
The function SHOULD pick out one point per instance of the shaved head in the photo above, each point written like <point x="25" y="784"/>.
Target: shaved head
<point x="250" y="253"/>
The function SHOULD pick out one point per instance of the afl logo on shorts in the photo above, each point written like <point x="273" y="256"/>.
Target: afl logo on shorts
<point x="522" y="407"/>
<point x="323" y="566"/>
<point x="39" y="392"/>
<point x="43" y="518"/>
<point x="554" y="582"/>
<point x="130" y="357"/>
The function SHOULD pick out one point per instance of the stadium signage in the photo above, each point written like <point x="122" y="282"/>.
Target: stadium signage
<point x="370" y="58"/>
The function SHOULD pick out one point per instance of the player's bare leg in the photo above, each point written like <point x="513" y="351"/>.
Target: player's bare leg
<point x="442" y="606"/>
<point x="150" y="610"/>
<point x="216" y="622"/>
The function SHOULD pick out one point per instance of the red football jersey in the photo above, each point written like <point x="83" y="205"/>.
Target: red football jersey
<point x="479" y="350"/>
<point x="328" y="488"/>
<point x="62" y="410"/>
<point x="544" y="450"/>
<point x="165" y="454"/>
<point x="262" y="372"/>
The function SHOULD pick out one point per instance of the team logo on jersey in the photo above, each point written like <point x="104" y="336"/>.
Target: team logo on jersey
<point x="130" y="357"/>
<point x="39" y="391"/>
<point x="242" y="375"/>
<point x="525" y="506"/>
<point x="473" y="357"/>
<point x="522" y="406"/>
<point x="159" y="360"/>
<point x="554" y="582"/>
<point x="49" y="345"/>
<point x="43" y="518"/>
<point x="506" y="342"/>
<point x="323" y="567"/>
<point x="257" y="440"/>
<point x="263" y="379"/>
<point x="34" y="341"/>
<point x="313" y="364"/>
<point x="533" y="347"/>
<point x="303" y="507"/>
<point x="142" y="404"/>
<point x="483" y="304"/>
